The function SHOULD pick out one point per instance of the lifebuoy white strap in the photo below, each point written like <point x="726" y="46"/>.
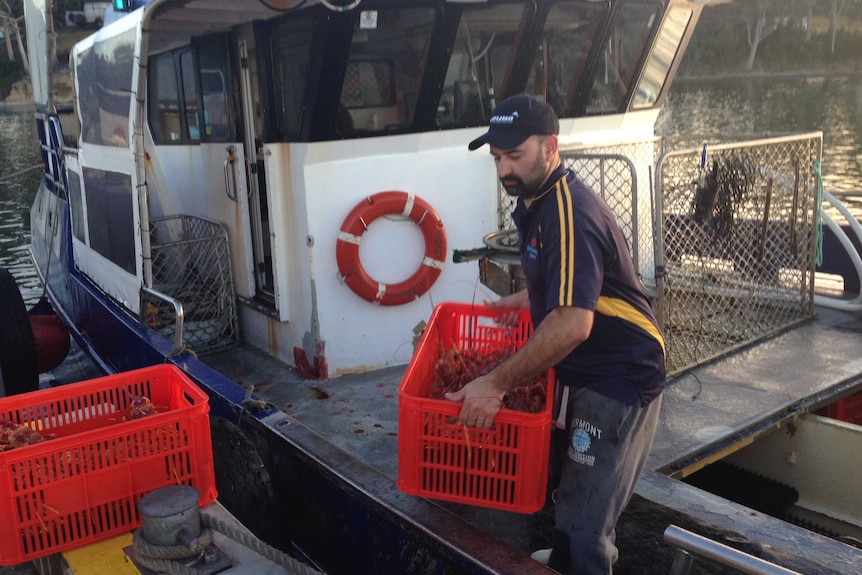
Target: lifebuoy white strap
<point x="348" y="237"/>
<point x="432" y="263"/>
<point x="408" y="205"/>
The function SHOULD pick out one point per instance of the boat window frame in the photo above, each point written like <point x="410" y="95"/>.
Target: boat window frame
<point x="570" y="104"/>
<point x="652" y="63"/>
<point x="331" y="37"/>
<point x="266" y="34"/>
<point x="107" y="63"/>
<point x="399" y="115"/>
<point x="584" y="106"/>
<point x="204" y="47"/>
<point x="185" y="132"/>
<point x="481" y="97"/>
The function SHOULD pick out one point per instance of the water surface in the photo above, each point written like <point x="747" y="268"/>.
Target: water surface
<point x="742" y="108"/>
<point x="20" y="172"/>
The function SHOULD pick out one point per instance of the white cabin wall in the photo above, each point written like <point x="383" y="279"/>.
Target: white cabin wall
<point x="329" y="179"/>
<point x="314" y="186"/>
<point x="189" y="180"/>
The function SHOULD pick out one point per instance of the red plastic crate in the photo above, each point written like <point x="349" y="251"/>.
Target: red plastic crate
<point x="847" y="409"/>
<point x="83" y="485"/>
<point x="505" y="467"/>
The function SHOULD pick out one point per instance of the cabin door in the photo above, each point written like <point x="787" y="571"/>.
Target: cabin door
<point x="252" y="126"/>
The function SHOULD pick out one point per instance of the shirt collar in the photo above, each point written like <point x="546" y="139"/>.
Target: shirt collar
<point x="559" y="173"/>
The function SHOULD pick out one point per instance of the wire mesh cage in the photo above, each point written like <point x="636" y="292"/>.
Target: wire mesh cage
<point x="191" y="263"/>
<point x="615" y="172"/>
<point x="739" y="239"/>
<point x="724" y="237"/>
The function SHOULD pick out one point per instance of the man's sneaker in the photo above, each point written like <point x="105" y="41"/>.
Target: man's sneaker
<point x="542" y="555"/>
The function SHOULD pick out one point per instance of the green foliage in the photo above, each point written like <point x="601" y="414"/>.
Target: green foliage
<point x="720" y="44"/>
<point x="10" y="72"/>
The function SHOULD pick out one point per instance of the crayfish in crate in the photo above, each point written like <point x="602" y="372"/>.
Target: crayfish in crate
<point x="16" y="435"/>
<point x="456" y="367"/>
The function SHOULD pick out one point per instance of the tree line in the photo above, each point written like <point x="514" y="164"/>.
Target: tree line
<point x="777" y="35"/>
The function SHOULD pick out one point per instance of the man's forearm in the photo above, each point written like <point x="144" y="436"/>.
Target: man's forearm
<point x="562" y="330"/>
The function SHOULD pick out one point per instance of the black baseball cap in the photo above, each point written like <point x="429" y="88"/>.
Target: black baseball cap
<point x="515" y="119"/>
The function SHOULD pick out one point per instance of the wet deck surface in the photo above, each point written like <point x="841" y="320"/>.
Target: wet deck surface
<point x="702" y="410"/>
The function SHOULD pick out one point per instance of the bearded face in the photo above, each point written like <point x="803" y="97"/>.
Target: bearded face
<point x="522" y="170"/>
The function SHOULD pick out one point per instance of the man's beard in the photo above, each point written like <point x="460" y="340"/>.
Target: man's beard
<point x="515" y="186"/>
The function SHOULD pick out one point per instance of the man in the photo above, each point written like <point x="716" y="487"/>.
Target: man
<point x="593" y="324"/>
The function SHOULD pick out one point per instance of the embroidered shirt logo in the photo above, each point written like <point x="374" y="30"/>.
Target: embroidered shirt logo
<point x="532" y="251"/>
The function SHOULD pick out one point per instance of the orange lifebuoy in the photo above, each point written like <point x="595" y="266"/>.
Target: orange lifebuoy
<point x="358" y="220"/>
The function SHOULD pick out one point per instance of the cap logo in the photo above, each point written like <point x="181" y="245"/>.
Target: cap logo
<point x="504" y="119"/>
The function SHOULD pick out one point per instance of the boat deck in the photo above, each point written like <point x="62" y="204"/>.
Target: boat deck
<point x="706" y="412"/>
<point x="350" y="424"/>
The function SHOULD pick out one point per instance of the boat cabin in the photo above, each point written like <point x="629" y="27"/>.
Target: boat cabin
<point x="218" y="148"/>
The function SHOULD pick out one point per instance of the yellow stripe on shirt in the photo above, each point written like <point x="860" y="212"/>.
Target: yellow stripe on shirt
<point x="615" y="307"/>
<point x="567" y="242"/>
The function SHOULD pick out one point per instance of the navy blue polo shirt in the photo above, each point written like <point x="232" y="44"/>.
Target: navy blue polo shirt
<point x="574" y="253"/>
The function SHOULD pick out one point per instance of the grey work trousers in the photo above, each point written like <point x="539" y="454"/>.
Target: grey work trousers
<point x="607" y="444"/>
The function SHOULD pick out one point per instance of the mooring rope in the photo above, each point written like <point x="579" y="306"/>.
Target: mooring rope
<point x="19" y="172"/>
<point x="818" y="215"/>
<point x="163" y="558"/>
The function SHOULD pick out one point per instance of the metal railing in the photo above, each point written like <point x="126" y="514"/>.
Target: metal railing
<point x="191" y="265"/>
<point x="724" y="238"/>
<point x="614" y="172"/>
<point x="854" y="304"/>
<point x="148" y="317"/>
<point x="690" y="545"/>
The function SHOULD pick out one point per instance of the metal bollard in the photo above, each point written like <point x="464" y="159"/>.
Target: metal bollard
<point x="682" y="563"/>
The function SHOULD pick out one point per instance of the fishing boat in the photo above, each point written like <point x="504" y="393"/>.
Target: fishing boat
<point x="275" y="195"/>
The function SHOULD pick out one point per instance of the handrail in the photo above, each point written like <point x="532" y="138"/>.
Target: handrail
<point x="854" y="304"/>
<point x="230" y="173"/>
<point x="179" y="314"/>
<point x="689" y="543"/>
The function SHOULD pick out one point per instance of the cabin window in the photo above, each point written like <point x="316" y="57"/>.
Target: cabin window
<point x="104" y="89"/>
<point x="164" y="100"/>
<point x="191" y="102"/>
<point x="188" y="104"/>
<point x="479" y="63"/>
<point x="566" y="39"/>
<point x="76" y="205"/>
<point x="385" y="67"/>
<point x="662" y="57"/>
<point x="110" y="216"/>
<point x="622" y="53"/>
<point x="212" y="59"/>
<point x="369" y="84"/>
<point x="291" y="53"/>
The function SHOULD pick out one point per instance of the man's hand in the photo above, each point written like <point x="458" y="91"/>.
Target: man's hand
<point x="509" y="307"/>
<point x="481" y="400"/>
<point x="562" y="330"/>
